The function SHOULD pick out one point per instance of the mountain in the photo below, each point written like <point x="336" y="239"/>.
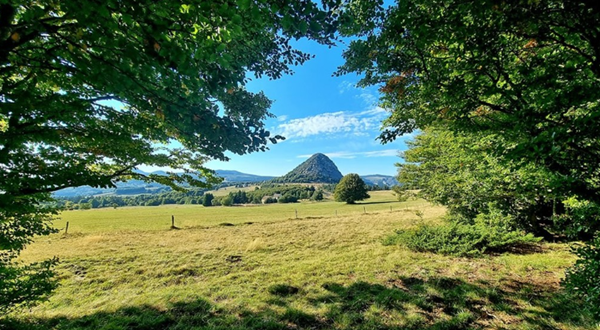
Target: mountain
<point x="317" y="169"/>
<point x="235" y="176"/>
<point x="380" y="180"/>
<point x="135" y="187"/>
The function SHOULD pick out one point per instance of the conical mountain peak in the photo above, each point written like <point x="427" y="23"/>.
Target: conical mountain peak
<point x="316" y="169"/>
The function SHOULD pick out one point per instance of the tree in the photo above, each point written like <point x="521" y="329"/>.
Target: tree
<point x="524" y="71"/>
<point x="528" y="71"/>
<point x="88" y="92"/>
<point x="350" y="189"/>
<point x="317" y="195"/>
<point x="457" y="171"/>
<point x="227" y="201"/>
<point x="207" y="199"/>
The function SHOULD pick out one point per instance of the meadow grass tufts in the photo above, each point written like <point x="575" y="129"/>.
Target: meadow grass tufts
<point x="127" y="270"/>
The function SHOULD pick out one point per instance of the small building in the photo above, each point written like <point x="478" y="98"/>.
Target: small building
<point x="265" y="199"/>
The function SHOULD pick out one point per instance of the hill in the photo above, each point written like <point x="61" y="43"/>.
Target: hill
<point x="236" y="176"/>
<point x="380" y="180"/>
<point x="134" y="187"/>
<point x="317" y="169"/>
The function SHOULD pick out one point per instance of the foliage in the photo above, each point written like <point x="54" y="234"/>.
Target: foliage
<point x="190" y="196"/>
<point x="350" y="189"/>
<point x="91" y="90"/>
<point x="317" y="195"/>
<point x="583" y="278"/>
<point x="287" y="198"/>
<point x="580" y="220"/>
<point x="458" y="171"/>
<point x="527" y="71"/>
<point x="489" y="233"/>
<point x="227" y="201"/>
<point x="23" y="284"/>
<point x="207" y="200"/>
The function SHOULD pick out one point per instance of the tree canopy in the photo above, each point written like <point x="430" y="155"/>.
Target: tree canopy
<point x="525" y="70"/>
<point x="89" y="91"/>
<point x="511" y="87"/>
<point x="350" y="189"/>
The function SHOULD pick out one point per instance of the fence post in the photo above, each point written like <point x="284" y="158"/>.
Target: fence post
<point x="67" y="228"/>
<point x="172" y="221"/>
<point x="364" y="209"/>
<point x="296" y="213"/>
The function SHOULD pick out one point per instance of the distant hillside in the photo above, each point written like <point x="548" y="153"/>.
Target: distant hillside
<point x="136" y="187"/>
<point x="380" y="180"/>
<point x="317" y="169"/>
<point x="235" y="176"/>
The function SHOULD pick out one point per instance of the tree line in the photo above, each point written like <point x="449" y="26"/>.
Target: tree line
<point x="287" y="194"/>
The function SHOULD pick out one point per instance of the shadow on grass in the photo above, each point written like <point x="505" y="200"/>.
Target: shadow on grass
<point x="403" y="303"/>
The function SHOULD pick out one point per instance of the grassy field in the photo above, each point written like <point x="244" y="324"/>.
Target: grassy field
<point x="258" y="267"/>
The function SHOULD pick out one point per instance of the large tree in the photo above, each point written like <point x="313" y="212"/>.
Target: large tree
<point x="350" y="189"/>
<point x="526" y="70"/>
<point x="458" y="171"/>
<point x="90" y="90"/>
<point x="524" y="73"/>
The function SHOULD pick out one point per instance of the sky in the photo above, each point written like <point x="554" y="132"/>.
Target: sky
<point x="317" y="112"/>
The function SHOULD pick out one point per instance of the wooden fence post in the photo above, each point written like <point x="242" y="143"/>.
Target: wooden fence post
<point x="67" y="228"/>
<point x="172" y="221"/>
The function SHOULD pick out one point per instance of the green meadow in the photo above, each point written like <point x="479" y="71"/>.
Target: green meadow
<point x="311" y="265"/>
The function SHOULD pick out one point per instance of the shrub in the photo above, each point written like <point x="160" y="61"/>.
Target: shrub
<point x="583" y="278"/>
<point x="287" y="199"/>
<point x="487" y="234"/>
<point x="270" y="200"/>
<point x="227" y="201"/>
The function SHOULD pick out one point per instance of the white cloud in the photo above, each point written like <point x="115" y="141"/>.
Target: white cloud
<point x="282" y="118"/>
<point x="368" y="99"/>
<point x="346" y="86"/>
<point x="351" y="155"/>
<point x="341" y="123"/>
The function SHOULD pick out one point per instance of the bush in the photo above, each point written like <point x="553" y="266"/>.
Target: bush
<point x="583" y="278"/>
<point x="580" y="221"/>
<point x="270" y="200"/>
<point x="287" y="199"/>
<point x="487" y="234"/>
<point x="227" y="201"/>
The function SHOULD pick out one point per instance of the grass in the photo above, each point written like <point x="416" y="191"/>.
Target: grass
<point x="125" y="269"/>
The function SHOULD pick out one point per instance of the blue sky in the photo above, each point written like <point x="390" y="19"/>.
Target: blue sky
<point x="317" y="112"/>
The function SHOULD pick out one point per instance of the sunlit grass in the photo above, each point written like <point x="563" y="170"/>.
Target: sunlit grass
<point x="124" y="268"/>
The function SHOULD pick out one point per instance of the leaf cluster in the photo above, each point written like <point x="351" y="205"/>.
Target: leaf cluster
<point x="350" y="189"/>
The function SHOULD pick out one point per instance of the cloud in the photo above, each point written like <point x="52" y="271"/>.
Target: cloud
<point x="351" y="155"/>
<point x="346" y="86"/>
<point x="341" y="123"/>
<point x="368" y="99"/>
<point x="282" y="118"/>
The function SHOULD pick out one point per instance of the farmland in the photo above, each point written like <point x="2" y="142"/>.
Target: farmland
<point x="264" y="267"/>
